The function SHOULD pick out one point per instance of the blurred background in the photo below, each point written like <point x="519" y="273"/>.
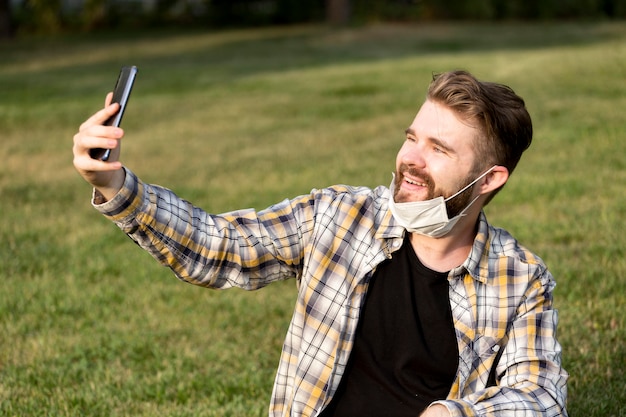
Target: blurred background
<point x="52" y="16"/>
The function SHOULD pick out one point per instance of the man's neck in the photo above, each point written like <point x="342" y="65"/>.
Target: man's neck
<point x="448" y="252"/>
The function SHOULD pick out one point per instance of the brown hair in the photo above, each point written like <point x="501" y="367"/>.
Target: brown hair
<point x="495" y="109"/>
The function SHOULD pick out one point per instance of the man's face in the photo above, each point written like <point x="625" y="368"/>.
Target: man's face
<point x="437" y="158"/>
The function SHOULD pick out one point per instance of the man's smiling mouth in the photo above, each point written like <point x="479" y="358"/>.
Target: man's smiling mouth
<point x="410" y="181"/>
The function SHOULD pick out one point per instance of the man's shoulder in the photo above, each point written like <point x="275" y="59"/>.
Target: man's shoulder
<point x="352" y="202"/>
<point x="357" y="195"/>
<point x="497" y="254"/>
<point x="503" y="244"/>
<point x="356" y="190"/>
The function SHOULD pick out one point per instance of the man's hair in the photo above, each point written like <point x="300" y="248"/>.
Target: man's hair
<point x="499" y="114"/>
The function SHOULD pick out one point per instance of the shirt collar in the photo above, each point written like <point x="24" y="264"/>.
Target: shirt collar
<point x="477" y="263"/>
<point x="388" y="226"/>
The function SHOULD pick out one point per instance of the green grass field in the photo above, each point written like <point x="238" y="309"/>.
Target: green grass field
<point x="91" y="326"/>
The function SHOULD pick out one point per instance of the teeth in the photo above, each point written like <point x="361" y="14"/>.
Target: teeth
<point x="421" y="184"/>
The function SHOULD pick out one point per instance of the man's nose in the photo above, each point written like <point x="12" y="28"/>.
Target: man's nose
<point x="414" y="156"/>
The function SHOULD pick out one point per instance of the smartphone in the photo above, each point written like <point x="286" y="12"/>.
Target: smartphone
<point x="121" y="93"/>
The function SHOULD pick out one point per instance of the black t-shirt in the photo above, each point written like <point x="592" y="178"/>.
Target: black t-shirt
<point x="405" y="354"/>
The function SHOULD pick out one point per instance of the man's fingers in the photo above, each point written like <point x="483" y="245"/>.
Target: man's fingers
<point x="98" y="137"/>
<point x="93" y="142"/>
<point x="91" y="135"/>
<point x="101" y="116"/>
<point x="89" y="165"/>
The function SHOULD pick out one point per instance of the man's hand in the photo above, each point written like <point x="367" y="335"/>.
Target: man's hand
<point x="106" y="177"/>
<point x="436" y="410"/>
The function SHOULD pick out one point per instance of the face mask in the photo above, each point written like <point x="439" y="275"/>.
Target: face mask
<point x="430" y="217"/>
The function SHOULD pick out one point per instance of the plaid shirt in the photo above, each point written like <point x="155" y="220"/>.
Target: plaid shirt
<point x="331" y="241"/>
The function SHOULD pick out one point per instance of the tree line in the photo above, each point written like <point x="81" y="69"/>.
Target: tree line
<point x="50" y="16"/>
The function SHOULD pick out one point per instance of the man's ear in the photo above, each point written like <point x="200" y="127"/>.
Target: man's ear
<point x="498" y="176"/>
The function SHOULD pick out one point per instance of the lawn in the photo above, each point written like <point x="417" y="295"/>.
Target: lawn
<point x="91" y="326"/>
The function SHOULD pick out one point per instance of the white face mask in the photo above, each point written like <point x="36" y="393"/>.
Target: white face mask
<point x="430" y="217"/>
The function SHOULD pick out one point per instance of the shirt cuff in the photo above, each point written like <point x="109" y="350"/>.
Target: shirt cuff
<point x="457" y="408"/>
<point x="125" y="204"/>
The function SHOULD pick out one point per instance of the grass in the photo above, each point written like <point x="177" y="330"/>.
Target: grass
<point x="90" y="325"/>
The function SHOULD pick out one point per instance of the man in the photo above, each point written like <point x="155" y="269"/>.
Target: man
<point x="408" y="301"/>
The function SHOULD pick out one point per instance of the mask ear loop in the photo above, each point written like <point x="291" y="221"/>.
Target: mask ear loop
<point x="481" y="176"/>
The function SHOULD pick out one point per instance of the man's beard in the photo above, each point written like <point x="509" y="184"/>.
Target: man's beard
<point x="453" y="206"/>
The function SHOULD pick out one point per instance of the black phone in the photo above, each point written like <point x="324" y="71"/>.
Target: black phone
<point x="121" y="93"/>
